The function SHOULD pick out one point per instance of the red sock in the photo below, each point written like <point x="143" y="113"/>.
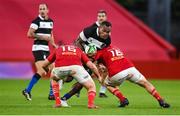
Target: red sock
<point x="156" y="94"/>
<point x="91" y="97"/>
<point x="118" y="94"/>
<point x="48" y="75"/>
<point x="55" y="87"/>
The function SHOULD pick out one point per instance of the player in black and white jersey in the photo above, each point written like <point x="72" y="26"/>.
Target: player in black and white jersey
<point x="41" y="32"/>
<point x="101" y="17"/>
<point x="90" y="34"/>
<point x="100" y="37"/>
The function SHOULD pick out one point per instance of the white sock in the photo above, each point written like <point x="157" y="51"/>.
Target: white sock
<point x="102" y="89"/>
<point x="60" y="84"/>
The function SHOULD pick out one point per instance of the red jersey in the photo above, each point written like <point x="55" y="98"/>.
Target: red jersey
<point x="113" y="59"/>
<point x="68" y="55"/>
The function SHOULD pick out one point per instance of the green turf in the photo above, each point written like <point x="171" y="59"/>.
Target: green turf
<point x="12" y="101"/>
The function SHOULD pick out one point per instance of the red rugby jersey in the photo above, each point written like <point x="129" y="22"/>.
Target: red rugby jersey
<point x="113" y="59"/>
<point x="68" y="55"/>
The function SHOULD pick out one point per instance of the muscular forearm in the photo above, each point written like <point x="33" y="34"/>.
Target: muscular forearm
<point x="41" y="37"/>
<point x="80" y="43"/>
<point x="34" y="36"/>
<point x="53" y="43"/>
<point x="94" y="69"/>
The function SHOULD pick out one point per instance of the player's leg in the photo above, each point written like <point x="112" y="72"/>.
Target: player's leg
<point x="55" y="88"/>
<point x="139" y="79"/>
<point x="102" y="92"/>
<point x="51" y="95"/>
<point x="57" y="74"/>
<point x="76" y="88"/>
<point x="40" y="72"/>
<point x="152" y="90"/>
<point x="112" y="86"/>
<point x="115" y="91"/>
<point x="103" y="71"/>
<point x="91" y="89"/>
<point x="85" y="79"/>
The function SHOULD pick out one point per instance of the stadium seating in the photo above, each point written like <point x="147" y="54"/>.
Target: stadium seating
<point x="134" y="38"/>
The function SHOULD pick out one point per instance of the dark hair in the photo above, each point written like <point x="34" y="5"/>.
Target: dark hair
<point x="106" y="23"/>
<point x="102" y="11"/>
<point x="44" y="4"/>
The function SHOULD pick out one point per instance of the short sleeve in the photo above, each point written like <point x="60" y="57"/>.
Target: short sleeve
<point x="34" y="24"/>
<point x="86" y="33"/>
<point x="98" y="55"/>
<point x="82" y="36"/>
<point x="84" y="57"/>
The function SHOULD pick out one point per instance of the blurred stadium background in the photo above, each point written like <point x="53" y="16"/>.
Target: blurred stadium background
<point x="155" y="55"/>
<point x="146" y="30"/>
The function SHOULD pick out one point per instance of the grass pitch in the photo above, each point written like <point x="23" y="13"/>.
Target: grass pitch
<point x="13" y="103"/>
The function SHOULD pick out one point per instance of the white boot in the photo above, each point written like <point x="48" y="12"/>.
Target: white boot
<point x="64" y="103"/>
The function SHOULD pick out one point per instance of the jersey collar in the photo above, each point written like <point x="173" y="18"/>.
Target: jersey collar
<point x="97" y="23"/>
<point x="41" y="17"/>
<point x="97" y="31"/>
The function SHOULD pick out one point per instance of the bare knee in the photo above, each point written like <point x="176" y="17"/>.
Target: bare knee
<point x="90" y="86"/>
<point x="111" y="88"/>
<point x="146" y="84"/>
<point x="41" y="72"/>
<point x="143" y="83"/>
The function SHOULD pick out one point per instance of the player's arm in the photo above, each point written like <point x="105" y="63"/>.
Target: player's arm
<point x="45" y="63"/>
<point x="83" y="38"/>
<point x="31" y="32"/>
<point x="43" y="66"/>
<point x="80" y="43"/>
<point x="90" y="65"/>
<point x="101" y="68"/>
<point x="52" y="40"/>
<point x="32" y="35"/>
<point x="93" y="67"/>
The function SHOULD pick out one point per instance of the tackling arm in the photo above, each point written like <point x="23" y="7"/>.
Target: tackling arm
<point x="94" y="69"/>
<point x="45" y="63"/>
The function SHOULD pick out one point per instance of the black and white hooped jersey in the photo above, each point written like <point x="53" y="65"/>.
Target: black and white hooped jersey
<point x="42" y="27"/>
<point x="90" y="35"/>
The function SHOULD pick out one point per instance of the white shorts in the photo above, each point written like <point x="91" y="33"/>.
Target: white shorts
<point x="81" y="74"/>
<point x="131" y="74"/>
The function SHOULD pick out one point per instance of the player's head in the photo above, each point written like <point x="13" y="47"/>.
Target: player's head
<point x="105" y="29"/>
<point x="101" y="16"/>
<point x="43" y="10"/>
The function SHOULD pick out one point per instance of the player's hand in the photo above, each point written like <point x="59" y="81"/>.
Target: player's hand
<point x="47" y="38"/>
<point x="102" y="68"/>
<point x="42" y="37"/>
<point x="100" y="79"/>
<point x="55" y="46"/>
